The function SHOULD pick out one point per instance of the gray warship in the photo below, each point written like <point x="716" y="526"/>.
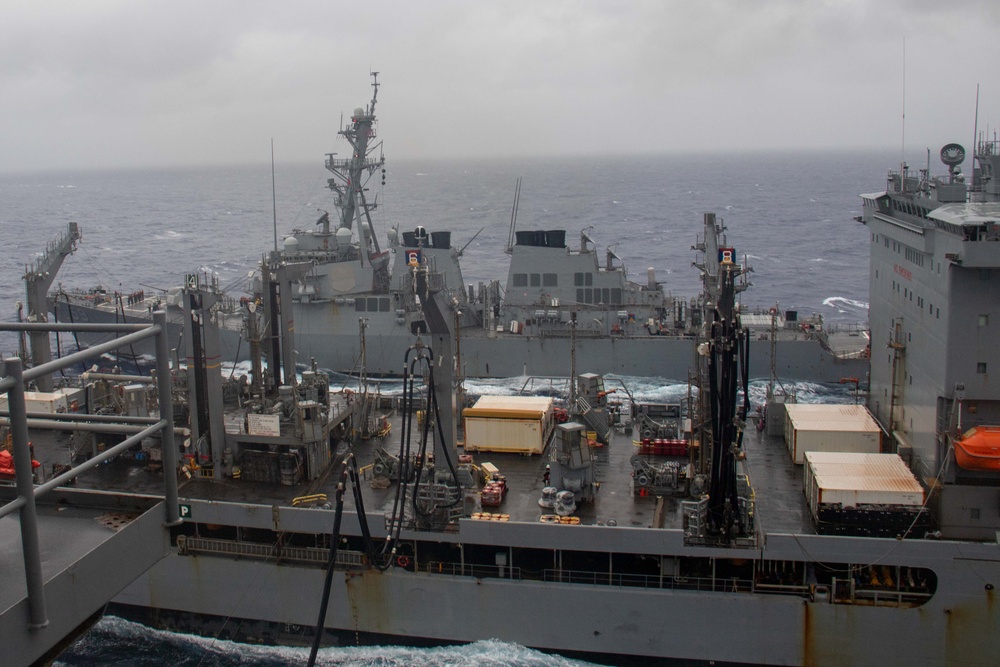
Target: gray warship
<point x="559" y="295"/>
<point x="649" y="545"/>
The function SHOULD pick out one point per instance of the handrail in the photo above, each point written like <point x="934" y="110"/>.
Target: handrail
<point x="13" y="384"/>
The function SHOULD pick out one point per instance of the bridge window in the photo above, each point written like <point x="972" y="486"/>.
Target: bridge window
<point x="536" y="279"/>
<point x="550" y="279"/>
<point x="520" y="280"/>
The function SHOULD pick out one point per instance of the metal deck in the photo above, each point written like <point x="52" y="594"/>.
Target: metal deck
<point x="780" y="503"/>
<point x="89" y="554"/>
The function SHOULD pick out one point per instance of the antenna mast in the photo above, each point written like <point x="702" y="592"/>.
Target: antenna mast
<point x="902" y="147"/>
<point x="274" y="200"/>
<point x="975" y="133"/>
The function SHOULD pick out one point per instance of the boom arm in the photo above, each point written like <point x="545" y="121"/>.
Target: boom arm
<point x="38" y="278"/>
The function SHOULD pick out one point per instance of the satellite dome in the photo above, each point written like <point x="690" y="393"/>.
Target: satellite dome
<point x="291" y="244"/>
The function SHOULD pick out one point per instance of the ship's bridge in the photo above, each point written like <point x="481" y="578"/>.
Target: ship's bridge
<point x="977" y="228"/>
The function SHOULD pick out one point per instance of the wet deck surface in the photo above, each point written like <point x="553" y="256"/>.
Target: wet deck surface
<point x="780" y="503"/>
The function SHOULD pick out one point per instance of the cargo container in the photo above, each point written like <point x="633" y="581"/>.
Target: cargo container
<point x="830" y="428"/>
<point x="519" y="424"/>
<point x="49" y="402"/>
<point x="851" y="479"/>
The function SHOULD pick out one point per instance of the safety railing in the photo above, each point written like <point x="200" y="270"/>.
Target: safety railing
<point x="13" y="382"/>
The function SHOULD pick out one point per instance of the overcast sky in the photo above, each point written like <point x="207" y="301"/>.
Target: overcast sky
<point x="114" y="83"/>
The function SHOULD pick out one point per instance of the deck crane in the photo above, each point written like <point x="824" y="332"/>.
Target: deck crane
<point x="38" y="278"/>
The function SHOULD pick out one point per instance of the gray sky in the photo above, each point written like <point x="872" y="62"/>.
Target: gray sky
<point x="111" y="83"/>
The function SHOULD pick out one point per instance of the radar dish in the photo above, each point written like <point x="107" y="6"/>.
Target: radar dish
<point x="953" y="154"/>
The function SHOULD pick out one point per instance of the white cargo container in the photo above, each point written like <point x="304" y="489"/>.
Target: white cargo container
<point x="49" y="402"/>
<point x="519" y="424"/>
<point x="830" y="428"/>
<point x="853" y="480"/>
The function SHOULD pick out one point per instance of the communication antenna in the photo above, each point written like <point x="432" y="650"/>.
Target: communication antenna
<point x="513" y="216"/>
<point x="274" y="199"/>
<point x="975" y="133"/>
<point x="902" y="148"/>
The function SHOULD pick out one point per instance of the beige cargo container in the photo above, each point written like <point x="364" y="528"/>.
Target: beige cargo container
<point x="857" y="480"/>
<point x="519" y="424"/>
<point x="60" y="400"/>
<point x="830" y="428"/>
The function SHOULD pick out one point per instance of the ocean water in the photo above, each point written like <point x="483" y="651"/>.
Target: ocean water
<point x="115" y="642"/>
<point x="790" y="214"/>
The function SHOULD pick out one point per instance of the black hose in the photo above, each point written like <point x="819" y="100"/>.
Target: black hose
<point x="328" y="581"/>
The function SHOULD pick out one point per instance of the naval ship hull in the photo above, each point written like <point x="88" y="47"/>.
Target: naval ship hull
<point x="271" y="601"/>
<point x="502" y="354"/>
<point x="232" y="346"/>
<point x="245" y="565"/>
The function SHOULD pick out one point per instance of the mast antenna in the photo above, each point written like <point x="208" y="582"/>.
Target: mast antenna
<point x="374" y="75"/>
<point x="902" y="148"/>
<point x="975" y="133"/>
<point x="274" y="199"/>
<point x="513" y="215"/>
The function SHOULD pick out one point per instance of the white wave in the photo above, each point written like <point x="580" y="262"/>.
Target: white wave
<point x="844" y="302"/>
<point x="113" y="638"/>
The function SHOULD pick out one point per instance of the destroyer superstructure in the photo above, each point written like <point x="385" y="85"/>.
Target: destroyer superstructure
<point x="561" y="294"/>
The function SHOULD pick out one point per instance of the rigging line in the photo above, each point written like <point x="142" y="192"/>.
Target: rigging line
<point x="98" y="264"/>
<point x="321" y="183"/>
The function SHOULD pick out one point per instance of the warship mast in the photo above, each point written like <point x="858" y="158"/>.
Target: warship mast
<point x="350" y="178"/>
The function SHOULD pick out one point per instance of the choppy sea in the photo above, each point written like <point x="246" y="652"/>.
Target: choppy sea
<point x="790" y="214"/>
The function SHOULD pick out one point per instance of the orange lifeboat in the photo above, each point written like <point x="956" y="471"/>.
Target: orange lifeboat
<point x="979" y="449"/>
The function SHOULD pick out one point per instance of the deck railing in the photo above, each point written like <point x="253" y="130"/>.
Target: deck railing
<point x="13" y="382"/>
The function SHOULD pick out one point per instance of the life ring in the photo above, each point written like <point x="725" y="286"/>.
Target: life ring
<point x="403" y="561"/>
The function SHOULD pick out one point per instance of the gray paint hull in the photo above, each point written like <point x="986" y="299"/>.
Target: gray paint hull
<point x="957" y="626"/>
<point x="511" y="355"/>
